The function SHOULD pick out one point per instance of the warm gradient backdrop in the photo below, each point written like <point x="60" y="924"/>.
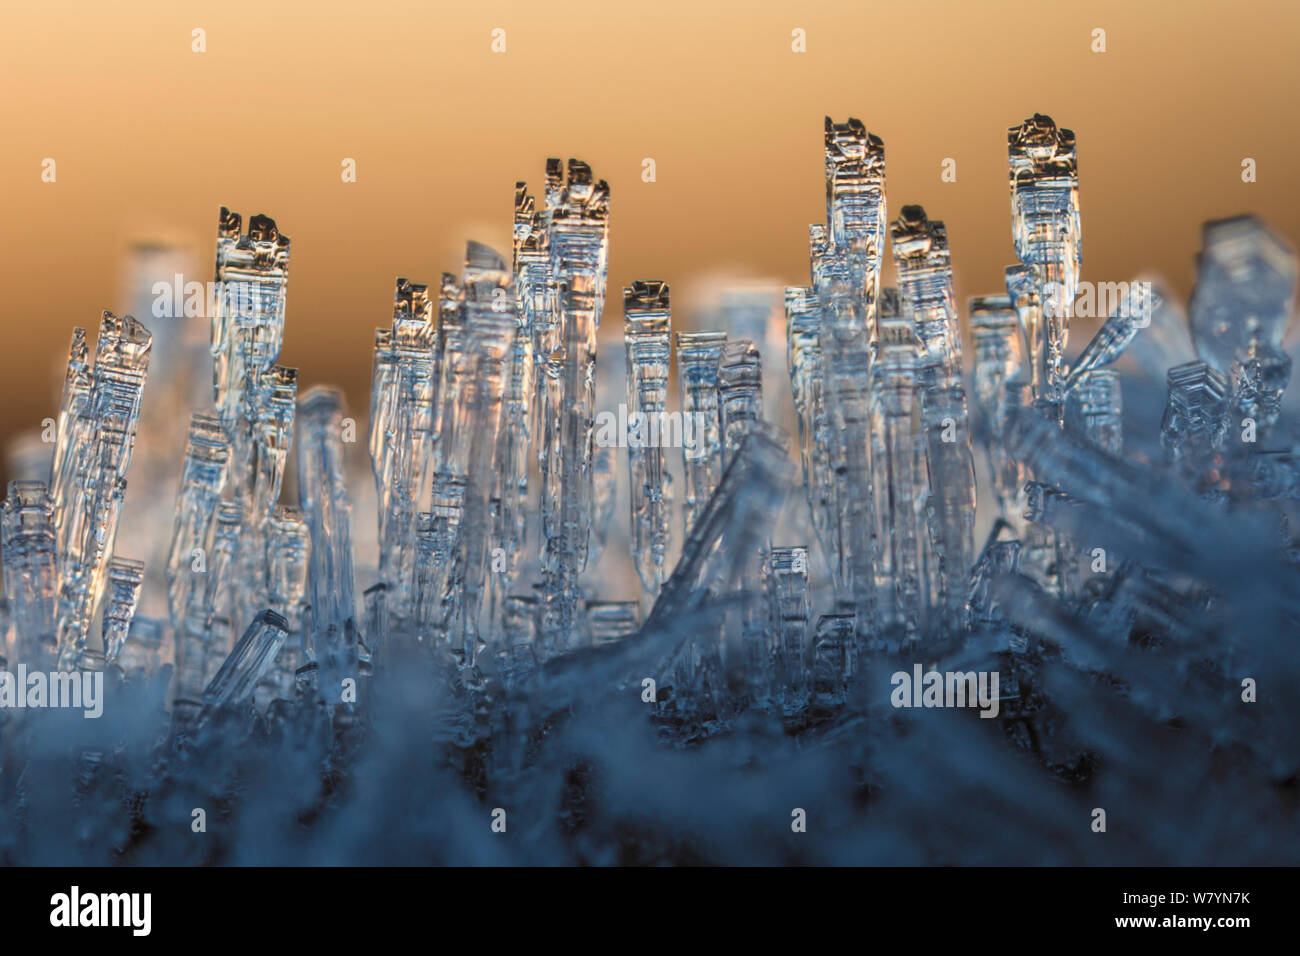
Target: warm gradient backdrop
<point x="151" y="138"/>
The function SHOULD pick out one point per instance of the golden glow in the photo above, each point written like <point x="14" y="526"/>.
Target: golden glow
<point x="151" y="138"/>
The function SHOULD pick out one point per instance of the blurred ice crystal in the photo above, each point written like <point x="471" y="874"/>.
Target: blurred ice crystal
<point x="1123" y="585"/>
<point x="646" y="331"/>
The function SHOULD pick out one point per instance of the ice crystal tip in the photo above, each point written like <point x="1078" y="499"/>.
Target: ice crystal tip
<point x="78" y="351"/>
<point x="704" y="346"/>
<point x="1038" y="141"/>
<point x="123" y="342"/>
<point x="320" y="403"/>
<point x="1198" y="378"/>
<point x="411" y="301"/>
<point x="554" y="172"/>
<point x="645" y="295"/>
<point x="579" y="173"/>
<point x="229" y="224"/>
<point x="263" y="246"/>
<point x="581" y="199"/>
<point x="247" y="662"/>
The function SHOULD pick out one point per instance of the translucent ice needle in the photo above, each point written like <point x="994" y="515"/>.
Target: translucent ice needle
<point x="31" y="572"/>
<point x="646" y="334"/>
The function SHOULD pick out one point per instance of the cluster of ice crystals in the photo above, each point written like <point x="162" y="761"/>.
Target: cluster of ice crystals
<point x="1127" y="590"/>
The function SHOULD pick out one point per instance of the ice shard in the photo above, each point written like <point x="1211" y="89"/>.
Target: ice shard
<point x="996" y="333"/>
<point x="248" y="326"/>
<point x="1044" y="181"/>
<point x="436" y="534"/>
<point x="604" y="498"/>
<point x="452" y="570"/>
<point x="255" y="398"/>
<point x="451" y="357"/>
<point x="247" y="334"/>
<point x="749" y="659"/>
<point x="211" y="618"/>
<point x="141" y="655"/>
<point x="925" y="290"/>
<point x="1043" y="165"/>
<point x="248" y="661"/>
<point x="999" y="558"/>
<point x="646" y="334"/>
<point x="437" y="530"/>
<point x="548" y="351"/>
<point x="1093" y="410"/>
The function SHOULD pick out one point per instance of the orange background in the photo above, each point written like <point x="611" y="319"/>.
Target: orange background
<point x="151" y="138"/>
